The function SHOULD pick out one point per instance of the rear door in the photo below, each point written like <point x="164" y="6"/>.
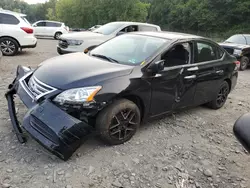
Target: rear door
<point x="52" y="28"/>
<point x="208" y="62"/>
<point x="9" y="24"/>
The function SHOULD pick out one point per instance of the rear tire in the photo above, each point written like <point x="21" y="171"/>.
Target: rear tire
<point x="244" y="63"/>
<point x="119" y="122"/>
<point x="8" y="46"/>
<point x="57" y="35"/>
<point x="221" y="97"/>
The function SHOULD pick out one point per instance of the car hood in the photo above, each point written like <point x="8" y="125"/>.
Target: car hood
<point x="81" y="35"/>
<point x="234" y="45"/>
<point x="78" y="70"/>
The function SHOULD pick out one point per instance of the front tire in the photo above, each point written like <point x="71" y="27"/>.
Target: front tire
<point x="57" y="35"/>
<point x="221" y="97"/>
<point x="119" y="122"/>
<point x="8" y="46"/>
<point x="244" y="63"/>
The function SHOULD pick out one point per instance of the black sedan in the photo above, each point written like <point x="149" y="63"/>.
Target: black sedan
<point x="117" y="85"/>
<point x="239" y="46"/>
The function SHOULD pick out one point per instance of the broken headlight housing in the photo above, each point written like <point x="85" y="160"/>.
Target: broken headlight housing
<point x="237" y="52"/>
<point x="77" y="95"/>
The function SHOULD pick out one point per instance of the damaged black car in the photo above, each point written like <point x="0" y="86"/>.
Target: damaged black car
<point x="113" y="88"/>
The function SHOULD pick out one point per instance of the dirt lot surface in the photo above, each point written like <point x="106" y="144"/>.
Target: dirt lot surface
<point x="191" y="149"/>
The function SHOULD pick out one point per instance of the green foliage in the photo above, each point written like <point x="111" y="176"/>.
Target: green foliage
<point x="202" y="17"/>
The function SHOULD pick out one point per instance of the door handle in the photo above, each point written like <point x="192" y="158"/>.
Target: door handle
<point x="193" y="69"/>
<point x="190" y="77"/>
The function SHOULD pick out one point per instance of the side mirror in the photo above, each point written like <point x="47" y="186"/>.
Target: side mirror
<point x="120" y="33"/>
<point x="242" y="130"/>
<point x="89" y="49"/>
<point x="156" y="66"/>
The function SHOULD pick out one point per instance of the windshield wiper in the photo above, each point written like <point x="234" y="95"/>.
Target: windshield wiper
<point x="105" y="57"/>
<point x="97" y="32"/>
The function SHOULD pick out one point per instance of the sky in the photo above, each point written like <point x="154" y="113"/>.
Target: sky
<point x="35" y="1"/>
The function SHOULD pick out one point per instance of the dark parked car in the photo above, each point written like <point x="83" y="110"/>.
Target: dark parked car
<point x="117" y="85"/>
<point x="239" y="46"/>
<point x="242" y="130"/>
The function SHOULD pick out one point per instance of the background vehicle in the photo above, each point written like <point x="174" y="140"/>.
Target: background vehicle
<point x="50" y="29"/>
<point x="117" y="85"/>
<point x="76" y="29"/>
<point x="239" y="46"/>
<point x="78" y="42"/>
<point x="94" y="27"/>
<point x="15" y="32"/>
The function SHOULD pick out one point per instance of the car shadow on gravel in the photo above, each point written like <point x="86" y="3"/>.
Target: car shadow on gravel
<point x="33" y="151"/>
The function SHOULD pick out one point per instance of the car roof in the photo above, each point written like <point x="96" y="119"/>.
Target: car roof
<point x="49" y="21"/>
<point x="136" y="23"/>
<point x="169" y="35"/>
<point x="11" y="12"/>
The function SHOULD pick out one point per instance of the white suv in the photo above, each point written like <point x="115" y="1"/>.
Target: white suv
<point x="15" y="33"/>
<point x="50" y="29"/>
<point x="79" y="41"/>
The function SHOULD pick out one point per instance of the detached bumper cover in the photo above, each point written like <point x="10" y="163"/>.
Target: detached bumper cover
<point x="52" y="127"/>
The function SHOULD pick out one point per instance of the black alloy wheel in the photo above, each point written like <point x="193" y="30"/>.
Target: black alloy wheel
<point x="123" y="125"/>
<point x="119" y="122"/>
<point x="221" y="96"/>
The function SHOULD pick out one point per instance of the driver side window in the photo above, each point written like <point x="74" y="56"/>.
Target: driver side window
<point x="130" y="28"/>
<point x="179" y="54"/>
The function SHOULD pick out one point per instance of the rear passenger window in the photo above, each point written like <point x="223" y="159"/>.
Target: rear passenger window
<point x="8" y="19"/>
<point x="53" y="24"/>
<point x="206" y="52"/>
<point x="147" y="28"/>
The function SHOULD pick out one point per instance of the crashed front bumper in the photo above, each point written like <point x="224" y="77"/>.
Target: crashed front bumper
<point x="52" y="127"/>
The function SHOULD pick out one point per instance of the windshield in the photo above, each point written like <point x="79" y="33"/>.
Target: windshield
<point x="238" y="39"/>
<point x="108" y="28"/>
<point x="24" y="18"/>
<point x="129" y="49"/>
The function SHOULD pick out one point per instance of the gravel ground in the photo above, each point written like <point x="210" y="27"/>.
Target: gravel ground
<point x="191" y="149"/>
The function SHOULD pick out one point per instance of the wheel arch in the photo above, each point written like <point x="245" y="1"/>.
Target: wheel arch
<point x="229" y="83"/>
<point x="6" y="36"/>
<point x="138" y="101"/>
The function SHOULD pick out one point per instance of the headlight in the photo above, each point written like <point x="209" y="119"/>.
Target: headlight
<point x="237" y="52"/>
<point x="78" y="95"/>
<point x="74" y="42"/>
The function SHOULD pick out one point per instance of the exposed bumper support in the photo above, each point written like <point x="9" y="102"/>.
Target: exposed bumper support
<point x="48" y="124"/>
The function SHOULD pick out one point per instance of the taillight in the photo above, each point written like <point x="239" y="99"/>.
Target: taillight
<point x="27" y="30"/>
<point x="237" y="63"/>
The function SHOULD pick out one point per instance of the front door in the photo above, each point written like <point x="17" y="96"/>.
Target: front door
<point x="174" y="87"/>
<point x="39" y="28"/>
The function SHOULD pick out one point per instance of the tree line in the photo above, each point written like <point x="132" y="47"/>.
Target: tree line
<point x="204" y="17"/>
